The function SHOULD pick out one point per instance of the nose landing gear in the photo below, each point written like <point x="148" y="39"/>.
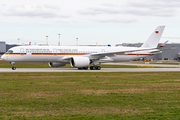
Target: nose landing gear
<point x="13" y="65"/>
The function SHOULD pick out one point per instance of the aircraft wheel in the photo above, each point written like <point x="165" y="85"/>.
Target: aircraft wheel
<point x="79" y="68"/>
<point x="13" y="68"/>
<point x="85" y="68"/>
<point x="92" y="68"/>
<point x="98" y="68"/>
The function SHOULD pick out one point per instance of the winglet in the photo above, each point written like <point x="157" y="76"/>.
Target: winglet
<point x="162" y="45"/>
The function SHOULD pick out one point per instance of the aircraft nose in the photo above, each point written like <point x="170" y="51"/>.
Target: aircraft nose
<point x="3" y="57"/>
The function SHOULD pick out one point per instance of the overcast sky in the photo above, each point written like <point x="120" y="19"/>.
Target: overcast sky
<point x="101" y="21"/>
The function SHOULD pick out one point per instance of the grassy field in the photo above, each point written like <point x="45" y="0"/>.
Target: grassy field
<point x="157" y="62"/>
<point x="90" y="95"/>
<point x="167" y="63"/>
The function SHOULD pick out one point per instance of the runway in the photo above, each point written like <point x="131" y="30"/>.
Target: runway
<point x="137" y="64"/>
<point x="102" y="70"/>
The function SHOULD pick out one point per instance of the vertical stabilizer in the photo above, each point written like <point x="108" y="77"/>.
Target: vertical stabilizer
<point x="154" y="39"/>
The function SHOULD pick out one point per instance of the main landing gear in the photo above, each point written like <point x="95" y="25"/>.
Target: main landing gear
<point x="95" y="68"/>
<point x="91" y="68"/>
<point x="13" y="65"/>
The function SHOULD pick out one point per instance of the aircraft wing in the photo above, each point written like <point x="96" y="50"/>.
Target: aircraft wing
<point x="99" y="55"/>
<point x="122" y="52"/>
<point x="164" y="50"/>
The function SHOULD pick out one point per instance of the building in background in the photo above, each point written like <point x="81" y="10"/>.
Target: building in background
<point x="10" y="46"/>
<point x="2" y="47"/>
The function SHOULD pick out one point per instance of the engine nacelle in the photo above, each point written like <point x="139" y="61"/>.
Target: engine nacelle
<point x="56" y="64"/>
<point x="79" y="62"/>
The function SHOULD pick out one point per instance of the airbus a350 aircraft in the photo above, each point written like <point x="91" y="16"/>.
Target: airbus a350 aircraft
<point x="82" y="56"/>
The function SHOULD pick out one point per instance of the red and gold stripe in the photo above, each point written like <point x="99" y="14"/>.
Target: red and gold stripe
<point x="73" y="54"/>
<point x="46" y="53"/>
<point x="15" y="54"/>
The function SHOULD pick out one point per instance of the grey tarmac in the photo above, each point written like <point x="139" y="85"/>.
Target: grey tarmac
<point x="102" y="70"/>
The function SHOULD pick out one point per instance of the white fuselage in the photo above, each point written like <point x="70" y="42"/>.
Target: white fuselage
<point x="59" y="53"/>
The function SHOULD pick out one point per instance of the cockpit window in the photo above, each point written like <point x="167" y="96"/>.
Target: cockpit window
<point x="9" y="51"/>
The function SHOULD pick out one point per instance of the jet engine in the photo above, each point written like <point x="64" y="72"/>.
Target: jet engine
<point x="56" y="64"/>
<point x="79" y="62"/>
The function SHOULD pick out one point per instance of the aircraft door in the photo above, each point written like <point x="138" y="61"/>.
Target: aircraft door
<point x="54" y="51"/>
<point x="22" y="51"/>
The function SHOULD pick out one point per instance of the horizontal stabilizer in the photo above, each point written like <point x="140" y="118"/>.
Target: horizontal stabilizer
<point x="163" y="44"/>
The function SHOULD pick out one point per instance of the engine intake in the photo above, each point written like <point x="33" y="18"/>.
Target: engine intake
<point x="79" y="62"/>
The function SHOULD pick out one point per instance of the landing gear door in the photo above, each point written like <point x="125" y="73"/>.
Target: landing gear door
<point x="21" y="51"/>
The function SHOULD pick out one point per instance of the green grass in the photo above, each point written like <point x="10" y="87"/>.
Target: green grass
<point x="99" y="96"/>
<point x="4" y="64"/>
<point x="167" y="63"/>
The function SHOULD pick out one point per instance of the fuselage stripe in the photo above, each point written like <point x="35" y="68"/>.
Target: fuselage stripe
<point x="73" y="54"/>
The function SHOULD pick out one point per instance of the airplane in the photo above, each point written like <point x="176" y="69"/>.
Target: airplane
<point x="82" y="56"/>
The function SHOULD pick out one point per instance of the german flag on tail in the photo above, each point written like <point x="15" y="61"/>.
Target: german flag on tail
<point x="156" y="32"/>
